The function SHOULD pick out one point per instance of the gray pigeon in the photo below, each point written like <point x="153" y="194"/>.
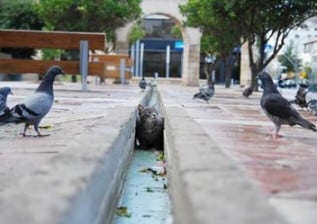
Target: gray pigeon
<point x="312" y="105"/>
<point x="248" y="91"/>
<point x="142" y="84"/>
<point x="206" y="92"/>
<point x="278" y="109"/>
<point x="34" y="107"/>
<point x="4" y="92"/>
<point x="300" y="97"/>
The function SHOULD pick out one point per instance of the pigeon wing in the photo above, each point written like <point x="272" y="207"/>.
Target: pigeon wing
<point x="2" y="104"/>
<point x="34" y="107"/>
<point x="278" y="106"/>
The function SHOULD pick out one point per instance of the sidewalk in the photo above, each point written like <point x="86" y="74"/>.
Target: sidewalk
<point x="230" y="171"/>
<point x="222" y="167"/>
<point x="73" y="174"/>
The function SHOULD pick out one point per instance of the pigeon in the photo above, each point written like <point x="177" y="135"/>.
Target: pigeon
<point x="278" y="109"/>
<point x="312" y="106"/>
<point x="247" y="92"/>
<point x="34" y="107"/>
<point x="142" y="84"/>
<point x="4" y="92"/>
<point x="206" y="92"/>
<point x="311" y="99"/>
<point x="300" y="97"/>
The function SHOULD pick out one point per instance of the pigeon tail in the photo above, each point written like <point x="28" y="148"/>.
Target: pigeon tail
<point x="305" y="124"/>
<point x="197" y="95"/>
<point x="8" y="118"/>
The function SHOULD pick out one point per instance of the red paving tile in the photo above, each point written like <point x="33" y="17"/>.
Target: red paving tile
<point x="239" y="127"/>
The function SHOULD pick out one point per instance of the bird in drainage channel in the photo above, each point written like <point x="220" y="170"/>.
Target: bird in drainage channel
<point x="4" y="92"/>
<point x="34" y="107"/>
<point x="278" y="109"/>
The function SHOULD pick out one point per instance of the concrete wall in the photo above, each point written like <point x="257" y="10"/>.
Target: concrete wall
<point x="191" y="37"/>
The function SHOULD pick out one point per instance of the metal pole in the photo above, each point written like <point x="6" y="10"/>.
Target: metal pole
<point x="137" y="59"/>
<point x="122" y="70"/>
<point x="141" y="59"/>
<point x="213" y="76"/>
<point x="83" y="63"/>
<point x="133" y="59"/>
<point x="168" y="59"/>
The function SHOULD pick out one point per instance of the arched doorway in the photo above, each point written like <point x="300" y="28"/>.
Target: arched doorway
<point x="161" y="48"/>
<point x="191" y="37"/>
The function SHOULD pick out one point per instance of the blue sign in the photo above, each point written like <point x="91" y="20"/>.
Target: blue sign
<point x="179" y="44"/>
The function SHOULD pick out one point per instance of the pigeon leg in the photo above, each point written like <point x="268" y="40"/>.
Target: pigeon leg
<point x="25" y="128"/>
<point x="276" y="135"/>
<point x="36" y="128"/>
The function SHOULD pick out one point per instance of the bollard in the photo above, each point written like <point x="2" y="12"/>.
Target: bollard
<point x="83" y="63"/>
<point x="168" y="61"/>
<point x="122" y="70"/>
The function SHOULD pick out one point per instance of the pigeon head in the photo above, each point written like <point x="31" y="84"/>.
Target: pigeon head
<point x="54" y="70"/>
<point x="267" y="82"/>
<point x="303" y="85"/>
<point x="47" y="82"/>
<point x="5" y="91"/>
<point x="264" y="77"/>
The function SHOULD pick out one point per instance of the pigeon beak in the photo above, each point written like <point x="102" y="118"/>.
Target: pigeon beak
<point x="11" y="92"/>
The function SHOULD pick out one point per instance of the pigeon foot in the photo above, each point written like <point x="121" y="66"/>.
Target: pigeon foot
<point x="274" y="136"/>
<point x="277" y="136"/>
<point x="34" y="136"/>
<point x="41" y="135"/>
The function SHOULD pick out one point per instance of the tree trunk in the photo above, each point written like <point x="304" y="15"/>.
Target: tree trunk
<point x="228" y="60"/>
<point x="227" y="77"/>
<point x="254" y="73"/>
<point x="254" y="67"/>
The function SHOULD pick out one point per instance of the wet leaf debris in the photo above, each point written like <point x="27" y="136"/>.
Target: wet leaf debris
<point x="122" y="211"/>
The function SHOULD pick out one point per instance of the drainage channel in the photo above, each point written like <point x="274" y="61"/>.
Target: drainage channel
<point x="144" y="198"/>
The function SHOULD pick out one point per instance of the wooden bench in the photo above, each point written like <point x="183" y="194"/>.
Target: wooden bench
<point x="113" y="63"/>
<point x="98" y="65"/>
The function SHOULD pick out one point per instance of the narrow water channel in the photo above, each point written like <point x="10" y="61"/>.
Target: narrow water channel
<point x="144" y="198"/>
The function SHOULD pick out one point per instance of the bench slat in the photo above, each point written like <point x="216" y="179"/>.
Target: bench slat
<point x="18" y="66"/>
<point x="46" y="39"/>
<point x="112" y="59"/>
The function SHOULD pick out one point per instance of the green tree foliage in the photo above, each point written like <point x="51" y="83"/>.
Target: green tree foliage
<point x="214" y="21"/>
<point x="87" y="15"/>
<point x="137" y="33"/>
<point x="19" y="14"/>
<point x="176" y="32"/>
<point x="272" y="19"/>
<point x="289" y="59"/>
<point x="256" y="21"/>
